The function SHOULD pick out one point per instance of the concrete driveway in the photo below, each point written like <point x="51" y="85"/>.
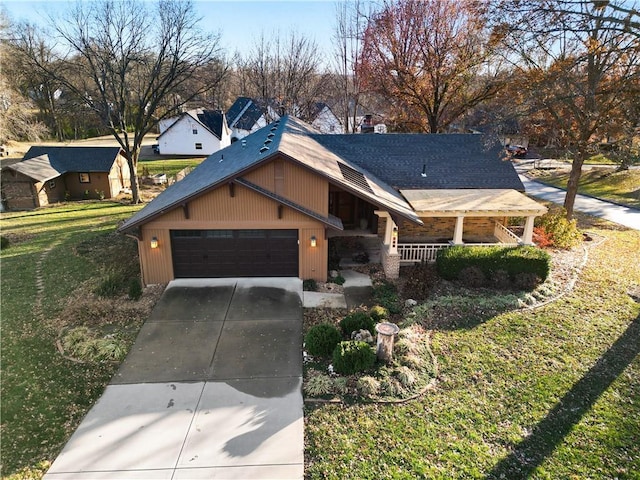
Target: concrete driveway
<point x="211" y="389"/>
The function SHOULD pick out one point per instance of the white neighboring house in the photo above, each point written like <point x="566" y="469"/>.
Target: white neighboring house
<point x="196" y="132"/>
<point x="323" y="119"/>
<point x="247" y="115"/>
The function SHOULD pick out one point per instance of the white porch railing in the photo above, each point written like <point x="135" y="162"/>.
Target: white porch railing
<point x="506" y="236"/>
<point x="419" y="252"/>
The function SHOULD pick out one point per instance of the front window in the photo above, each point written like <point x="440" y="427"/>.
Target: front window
<point x="84" y="178"/>
<point x="195" y="131"/>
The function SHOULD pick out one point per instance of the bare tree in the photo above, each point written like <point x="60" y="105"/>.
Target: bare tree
<point x="430" y="59"/>
<point x="17" y="121"/>
<point x="132" y="64"/>
<point x="283" y="72"/>
<point x="582" y="73"/>
<point x="348" y="36"/>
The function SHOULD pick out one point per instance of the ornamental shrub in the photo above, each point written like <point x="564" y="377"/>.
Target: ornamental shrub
<point x="386" y="295"/>
<point x="322" y="339"/>
<point x="451" y="261"/>
<point x="352" y="357"/>
<point x="561" y="232"/>
<point x="318" y="384"/>
<point x="135" y="289"/>
<point x="357" y="321"/>
<point x="378" y="313"/>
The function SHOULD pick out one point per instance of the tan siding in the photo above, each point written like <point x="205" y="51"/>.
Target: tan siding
<point x="263" y="176"/>
<point x="306" y="188"/>
<point x="294" y="183"/>
<point x="218" y="210"/>
<point x="313" y="260"/>
<point x="157" y="263"/>
<point x="98" y="181"/>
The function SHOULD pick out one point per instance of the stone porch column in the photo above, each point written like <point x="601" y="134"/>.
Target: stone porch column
<point x="527" y="236"/>
<point x="389" y="255"/>
<point x="457" y="233"/>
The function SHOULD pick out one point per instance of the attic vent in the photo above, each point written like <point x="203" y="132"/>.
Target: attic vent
<point x="264" y="149"/>
<point x="268" y="141"/>
<point x="271" y="135"/>
<point x="274" y="128"/>
<point x="354" y="177"/>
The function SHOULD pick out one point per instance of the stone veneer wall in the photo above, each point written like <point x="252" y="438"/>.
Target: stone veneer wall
<point x="390" y="263"/>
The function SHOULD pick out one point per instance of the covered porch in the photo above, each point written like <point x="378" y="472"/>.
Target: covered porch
<point x="455" y="217"/>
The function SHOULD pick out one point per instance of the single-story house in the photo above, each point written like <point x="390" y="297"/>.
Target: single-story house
<point x="247" y="115"/>
<point x="196" y="132"/>
<point x="49" y="174"/>
<point x="266" y="206"/>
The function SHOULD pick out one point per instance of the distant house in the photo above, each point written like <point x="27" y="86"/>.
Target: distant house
<point x="267" y="205"/>
<point x="196" y="132"/>
<point x="52" y="174"/>
<point x="247" y="115"/>
<point x="324" y="120"/>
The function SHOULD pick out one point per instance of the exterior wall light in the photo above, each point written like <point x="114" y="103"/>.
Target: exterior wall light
<point x="154" y="242"/>
<point x="314" y="242"/>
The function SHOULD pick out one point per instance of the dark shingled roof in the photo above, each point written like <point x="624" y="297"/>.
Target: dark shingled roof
<point x="76" y="159"/>
<point x="449" y="160"/>
<point x="374" y="167"/>
<point x="244" y="113"/>
<point x="213" y="120"/>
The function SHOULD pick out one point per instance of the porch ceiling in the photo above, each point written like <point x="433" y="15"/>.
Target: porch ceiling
<point x="479" y="202"/>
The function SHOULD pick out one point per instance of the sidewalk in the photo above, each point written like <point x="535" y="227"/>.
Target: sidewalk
<point x="629" y="217"/>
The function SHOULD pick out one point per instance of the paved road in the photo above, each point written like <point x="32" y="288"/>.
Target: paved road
<point x="629" y="217"/>
<point x="211" y="389"/>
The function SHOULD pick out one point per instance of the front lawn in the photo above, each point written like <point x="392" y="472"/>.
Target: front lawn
<point x="56" y="258"/>
<point x="620" y="187"/>
<point x="169" y="166"/>
<point x="546" y="393"/>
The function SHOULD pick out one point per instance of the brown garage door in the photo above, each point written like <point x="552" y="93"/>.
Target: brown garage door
<point x="234" y="253"/>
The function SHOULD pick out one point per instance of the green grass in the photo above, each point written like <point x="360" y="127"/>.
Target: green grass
<point x="620" y="187"/>
<point x="551" y="393"/>
<point x="44" y="395"/>
<point x="169" y="166"/>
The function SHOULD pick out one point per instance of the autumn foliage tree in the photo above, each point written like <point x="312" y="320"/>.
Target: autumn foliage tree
<point x="431" y="60"/>
<point x="578" y="67"/>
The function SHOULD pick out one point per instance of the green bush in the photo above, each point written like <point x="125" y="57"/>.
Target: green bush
<point x="368" y="386"/>
<point x="4" y="242"/>
<point x="379" y="313"/>
<point x="135" y="289"/>
<point x="110" y="286"/>
<point x="318" y="384"/>
<point x="309" y="285"/>
<point x="452" y="261"/>
<point x="386" y="295"/>
<point x="563" y="233"/>
<point x="321" y="340"/>
<point x="352" y="357"/>
<point x="357" y="321"/>
<point x="339" y="280"/>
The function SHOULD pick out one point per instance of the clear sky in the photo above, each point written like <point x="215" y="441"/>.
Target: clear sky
<point x="238" y="21"/>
